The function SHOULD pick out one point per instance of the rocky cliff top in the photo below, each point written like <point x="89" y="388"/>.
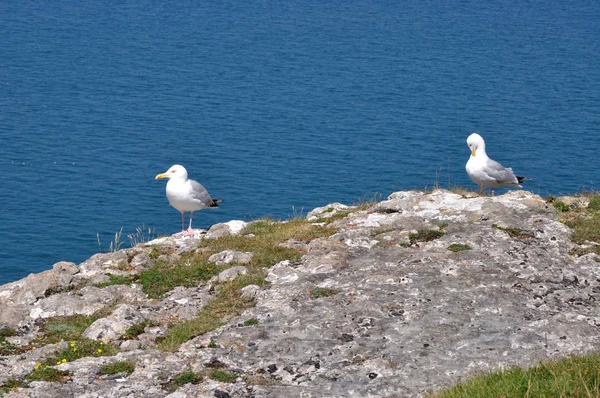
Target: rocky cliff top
<point x="393" y="299"/>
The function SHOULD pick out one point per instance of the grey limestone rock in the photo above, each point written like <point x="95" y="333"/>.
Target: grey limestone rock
<point x="370" y="311"/>
<point x="232" y="273"/>
<point x="37" y="286"/>
<point x="230" y="256"/>
<point x="326" y="211"/>
<point x="85" y="301"/>
<point x="233" y="227"/>
<point x="114" y="326"/>
<point x="250" y="291"/>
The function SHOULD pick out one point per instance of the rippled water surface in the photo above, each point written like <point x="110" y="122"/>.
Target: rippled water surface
<point x="276" y="107"/>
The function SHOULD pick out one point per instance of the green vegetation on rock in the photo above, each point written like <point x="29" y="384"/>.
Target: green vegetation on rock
<point x="458" y="247"/>
<point x="263" y="239"/>
<point x="117" y="367"/>
<point x="570" y="377"/>
<point x="424" y="235"/>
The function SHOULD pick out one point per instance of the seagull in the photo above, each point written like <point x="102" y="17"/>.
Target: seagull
<point x="186" y="195"/>
<point x="486" y="172"/>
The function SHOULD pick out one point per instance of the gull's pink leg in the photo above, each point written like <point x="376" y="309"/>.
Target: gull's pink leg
<point x="190" y="231"/>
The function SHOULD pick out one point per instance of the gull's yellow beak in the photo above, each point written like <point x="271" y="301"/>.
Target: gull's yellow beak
<point x="472" y="154"/>
<point x="161" y="175"/>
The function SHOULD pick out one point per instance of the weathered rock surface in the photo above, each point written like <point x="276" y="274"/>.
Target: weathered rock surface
<point x="230" y="256"/>
<point x="371" y="311"/>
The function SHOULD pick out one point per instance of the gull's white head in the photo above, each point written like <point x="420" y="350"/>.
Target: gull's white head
<point x="475" y="142"/>
<point x="175" y="171"/>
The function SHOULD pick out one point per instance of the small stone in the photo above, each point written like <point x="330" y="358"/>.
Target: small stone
<point x="221" y="394"/>
<point x="232" y="273"/>
<point x="249" y="292"/>
<point x="325" y="211"/>
<point x="346" y="338"/>
<point x="281" y="273"/>
<point x="130" y="345"/>
<point x="230" y="256"/>
<point x="233" y="227"/>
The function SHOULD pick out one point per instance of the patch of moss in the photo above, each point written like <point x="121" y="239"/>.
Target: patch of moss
<point x="251" y="322"/>
<point x="424" y="235"/>
<point x="7" y="332"/>
<point x="514" y="232"/>
<point x="317" y="292"/>
<point x="458" y="247"/>
<point x="187" y="377"/>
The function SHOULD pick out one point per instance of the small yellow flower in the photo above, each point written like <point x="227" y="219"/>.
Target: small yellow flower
<point x="58" y="363"/>
<point x="101" y="343"/>
<point x="64" y="360"/>
<point x="37" y="365"/>
<point x="99" y="350"/>
<point x="72" y="344"/>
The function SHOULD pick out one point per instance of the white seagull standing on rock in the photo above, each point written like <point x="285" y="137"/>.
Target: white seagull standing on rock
<point x="486" y="172"/>
<point x="186" y="195"/>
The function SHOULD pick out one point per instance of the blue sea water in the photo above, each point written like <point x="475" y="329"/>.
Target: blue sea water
<point x="276" y="107"/>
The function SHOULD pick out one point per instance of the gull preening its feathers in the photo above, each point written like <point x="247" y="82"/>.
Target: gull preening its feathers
<point x="186" y="195"/>
<point x="488" y="173"/>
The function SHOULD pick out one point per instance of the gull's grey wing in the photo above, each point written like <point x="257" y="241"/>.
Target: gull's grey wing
<point x="502" y="175"/>
<point x="200" y="193"/>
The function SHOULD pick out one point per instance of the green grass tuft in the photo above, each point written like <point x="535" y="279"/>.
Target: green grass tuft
<point x="135" y="330"/>
<point x="67" y="328"/>
<point x="187" y="377"/>
<point x="188" y="271"/>
<point x="118" y="280"/>
<point x="586" y="227"/>
<point x="7" y="348"/>
<point x="594" y="204"/>
<point x="118" y="367"/>
<point x="570" y="377"/>
<point x="222" y="376"/>
<point x="11" y="384"/>
<point x="48" y="374"/>
<point x="226" y="304"/>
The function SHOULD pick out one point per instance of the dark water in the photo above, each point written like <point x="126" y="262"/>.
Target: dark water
<point x="276" y="107"/>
